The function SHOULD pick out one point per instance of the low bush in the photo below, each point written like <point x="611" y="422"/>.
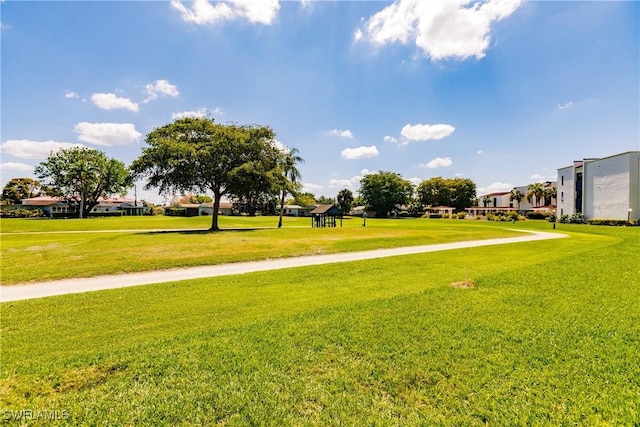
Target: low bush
<point x="538" y="215"/>
<point x="504" y="216"/>
<point x="611" y="222"/>
<point x="572" y="219"/>
<point x="461" y="215"/>
<point x="22" y="213"/>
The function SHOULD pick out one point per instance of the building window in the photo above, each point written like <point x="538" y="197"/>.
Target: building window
<point x="562" y="180"/>
<point x="562" y="196"/>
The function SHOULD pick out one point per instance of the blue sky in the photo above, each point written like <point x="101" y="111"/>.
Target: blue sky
<point x="502" y="92"/>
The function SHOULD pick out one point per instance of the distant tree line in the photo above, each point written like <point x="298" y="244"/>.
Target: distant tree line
<point x="242" y="163"/>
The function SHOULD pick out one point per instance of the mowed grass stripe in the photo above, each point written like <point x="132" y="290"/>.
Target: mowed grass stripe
<point x="42" y="257"/>
<point x="549" y="336"/>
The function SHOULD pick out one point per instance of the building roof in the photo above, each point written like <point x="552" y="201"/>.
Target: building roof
<point x="496" y="194"/>
<point x="322" y="209"/>
<point x="42" y="201"/>
<point x="223" y="205"/>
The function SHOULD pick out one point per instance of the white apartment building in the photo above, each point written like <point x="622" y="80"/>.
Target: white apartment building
<point x="608" y="187"/>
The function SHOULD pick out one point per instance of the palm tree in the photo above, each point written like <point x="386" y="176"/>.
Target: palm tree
<point x="486" y="200"/>
<point x="550" y="194"/>
<point x="290" y="175"/>
<point x="517" y="196"/>
<point x="535" y="190"/>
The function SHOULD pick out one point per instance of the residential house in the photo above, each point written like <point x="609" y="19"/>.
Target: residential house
<point x="59" y="207"/>
<point x="492" y="203"/>
<point x="607" y="187"/>
<point x="49" y="205"/>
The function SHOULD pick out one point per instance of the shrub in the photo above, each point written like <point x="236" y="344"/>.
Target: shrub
<point x="514" y="216"/>
<point x="461" y="215"/>
<point x="611" y="222"/>
<point x="573" y="219"/>
<point x="537" y="215"/>
<point x="22" y="213"/>
<point x="432" y="215"/>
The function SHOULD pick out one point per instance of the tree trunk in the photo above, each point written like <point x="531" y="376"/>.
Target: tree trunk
<point x="82" y="202"/>
<point x="216" y="208"/>
<point x="281" y="209"/>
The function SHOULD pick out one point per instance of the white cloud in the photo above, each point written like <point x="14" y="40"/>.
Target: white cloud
<point x="538" y="177"/>
<point x="358" y="35"/>
<point x="352" y="182"/>
<point x="107" y="134"/>
<point x="281" y="146"/>
<point x="438" y="162"/>
<point x="415" y="181"/>
<point x="342" y="183"/>
<point x="308" y="187"/>
<point x="201" y="112"/>
<point x="390" y="139"/>
<point x="341" y="133"/>
<point x="204" y="12"/>
<point x="18" y="167"/>
<point x="442" y="29"/>
<point x="496" y="187"/>
<point x="360" y="153"/>
<point x="71" y="95"/>
<point x="109" y="101"/>
<point x="160" y="87"/>
<point x="479" y="152"/>
<point x="565" y="106"/>
<point x="459" y="175"/>
<point x="26" y="149"/>
<point x="421" y="132"/>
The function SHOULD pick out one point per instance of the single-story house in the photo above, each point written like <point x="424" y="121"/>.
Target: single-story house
<point x="445" y="211"/>
<point x="57" y="206"/>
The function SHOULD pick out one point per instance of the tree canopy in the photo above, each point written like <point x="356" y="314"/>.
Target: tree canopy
<point x="459" y="193"/>
<point x="198" y="155"/>
<point x="382" y="191"/>
<point x="83" y="175"/>
<point x="345" y="199"/>
<point x="20" y="188"/>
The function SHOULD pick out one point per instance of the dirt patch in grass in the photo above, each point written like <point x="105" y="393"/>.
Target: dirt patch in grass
<point x="464" y="284"/>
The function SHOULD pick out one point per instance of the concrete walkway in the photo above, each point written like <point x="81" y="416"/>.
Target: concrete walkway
<point x="71" y="286"/>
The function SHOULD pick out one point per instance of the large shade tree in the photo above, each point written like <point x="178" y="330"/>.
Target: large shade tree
<point x="20" y="188"/>
<point x="382" y="191"/>
<point x="290" y="176"/>
<point x="459" y="193"/>
<point x="198" y="155"/>
<point x="84" y="175"/>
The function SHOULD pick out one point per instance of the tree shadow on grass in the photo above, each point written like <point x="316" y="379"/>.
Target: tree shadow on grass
<point x="206" y="231"/>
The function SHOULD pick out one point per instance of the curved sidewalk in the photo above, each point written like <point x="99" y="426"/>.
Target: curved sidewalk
<point x="72" y="286"/>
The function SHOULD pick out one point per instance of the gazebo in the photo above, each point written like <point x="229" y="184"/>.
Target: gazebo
<point x="325" y="216"/>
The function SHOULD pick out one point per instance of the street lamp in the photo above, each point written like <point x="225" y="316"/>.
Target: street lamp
<point x="555" y="219"/>
<point x="629" y="216"/>
<point x="364" y="218"/>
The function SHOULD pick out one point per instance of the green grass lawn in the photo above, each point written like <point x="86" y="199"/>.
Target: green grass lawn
<point x="549" y="336"/>
<point x="48" y="253"/>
